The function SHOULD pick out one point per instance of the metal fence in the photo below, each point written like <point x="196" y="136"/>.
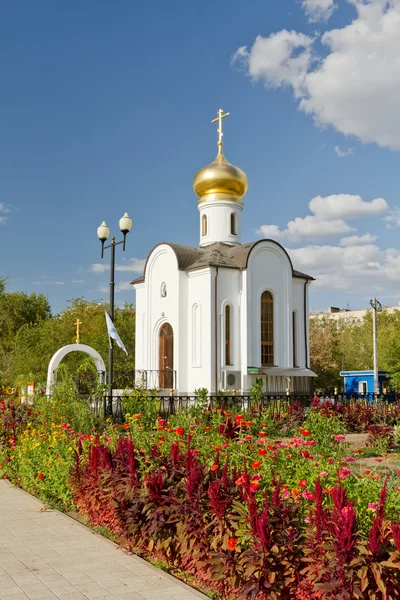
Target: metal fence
<point x="169" y="405"/>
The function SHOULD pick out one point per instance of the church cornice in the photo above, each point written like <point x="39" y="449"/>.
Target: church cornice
<point x="217" y="255"/>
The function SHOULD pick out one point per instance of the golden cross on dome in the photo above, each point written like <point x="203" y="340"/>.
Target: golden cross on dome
<point x="219" y="119"/>
<point x="78" y="323"/>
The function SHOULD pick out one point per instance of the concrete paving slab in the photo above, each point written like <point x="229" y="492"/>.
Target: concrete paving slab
<point x="45" y="555"/>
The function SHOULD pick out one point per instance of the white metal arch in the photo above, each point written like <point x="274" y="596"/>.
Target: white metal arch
<point x="62" y="352"/>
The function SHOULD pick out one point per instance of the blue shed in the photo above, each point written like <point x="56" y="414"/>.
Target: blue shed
<point x="362" y="382"/>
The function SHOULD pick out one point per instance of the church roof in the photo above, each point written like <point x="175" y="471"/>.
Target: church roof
<point x="217" y="255"/>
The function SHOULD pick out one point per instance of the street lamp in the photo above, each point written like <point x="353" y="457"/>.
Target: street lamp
<point x="376" y="306"/>
<point x="125" y="224"/>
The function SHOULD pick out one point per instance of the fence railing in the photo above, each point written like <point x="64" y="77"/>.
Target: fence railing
<point x="169" y="405"/>
<point x="147" y="379"/>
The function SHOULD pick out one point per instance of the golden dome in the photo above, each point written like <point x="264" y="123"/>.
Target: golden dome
<point x="220" y="177"/>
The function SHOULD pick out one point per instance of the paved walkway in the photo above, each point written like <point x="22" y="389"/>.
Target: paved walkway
<point x="46" y="555"/>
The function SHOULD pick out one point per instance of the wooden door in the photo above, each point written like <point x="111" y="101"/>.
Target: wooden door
<point x="166" y="362"/>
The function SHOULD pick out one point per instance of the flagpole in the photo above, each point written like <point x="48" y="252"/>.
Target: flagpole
<point x="111" y="346"/>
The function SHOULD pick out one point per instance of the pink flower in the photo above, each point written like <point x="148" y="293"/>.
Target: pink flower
<point x="240" y="442"/>
<point x="310" y="443"/>
<point x="225" y="445"/>
<point x="350" y="459"/>
<point x="379" y="459"/>
<point x="331" y="460"/>
<point x="340" y="438"/>
<point x="195" y="452"/>
<point x="285" y="493"/>
<point x="323" y="474"/>
<point x="344" y="473"/>
<point x="308" y="495"/>
<point x="161" y="421"/>
<point x="373" y="505"/>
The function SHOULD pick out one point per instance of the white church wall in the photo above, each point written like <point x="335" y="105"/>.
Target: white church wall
<point x="199" y="338"/>
<point x="162" y="268"/>
<point x="269" y="269"/>
<point x="229" y="283"/>
<point x="141" y="326"/>
<point x="298" y="306"/>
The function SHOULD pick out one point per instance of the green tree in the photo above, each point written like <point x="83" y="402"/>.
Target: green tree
<point x="17" y="309"/>
<point x="35" y="344"/>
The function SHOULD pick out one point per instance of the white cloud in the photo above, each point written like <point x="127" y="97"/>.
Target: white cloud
<point x="48" y="282"/>
<point x="4" y="210"/>
<point x="354" y="86"/>
<point x="135" y="265"/>
<point x="344" y="153"/>
<point x="77" y="281"/>
<point x="393" y="218"/>
<point x="318" y="10"/>
<point x="281" y="59"/>
<point x="346" y="206"/>
<point x="99" y="268"/>
<point x="329" y="218"/>
<point x="122" y="286"/>
<point x="351" y="268"/>
<point x="357" y="240"/>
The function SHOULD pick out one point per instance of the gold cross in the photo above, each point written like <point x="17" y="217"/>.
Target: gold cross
<point x="219" y="119"/>
<point x="78" y="323"/>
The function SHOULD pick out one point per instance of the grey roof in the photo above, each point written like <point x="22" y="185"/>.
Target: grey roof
<point x="217" y="255"/>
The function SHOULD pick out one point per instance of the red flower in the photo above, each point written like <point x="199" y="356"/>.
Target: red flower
<point x="207" y="428"/>
<point x="262" y="452"/>
<point x="40" y="476"/>
<point x="232" y="543"/>
<point x="398" y="472"/>
<point x="344" y="473"/>
<point x="305" y="432"/>
<point x="262" y="434"/>
<point x="179" y="431"/>
<point x="254" y="485"/>
<point x="125" y="426"/>
<point x="302" y="483"/>
<point x="214" y="467"/>
<point x="256" y="464"/>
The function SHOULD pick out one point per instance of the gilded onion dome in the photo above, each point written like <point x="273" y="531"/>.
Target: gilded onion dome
<point x="220" y="179"/>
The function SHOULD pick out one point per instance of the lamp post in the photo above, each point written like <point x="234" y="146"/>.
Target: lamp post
<point x="376" y="306"/>
<point x="125" y="224"/>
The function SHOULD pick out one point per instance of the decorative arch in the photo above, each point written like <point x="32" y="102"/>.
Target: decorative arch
<point x="62" y="352"/>
<point x="267" y="329"/>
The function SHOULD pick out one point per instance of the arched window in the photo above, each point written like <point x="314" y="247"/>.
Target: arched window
<point x="233" y="224"/>
<point x="267" y="329"/>
<point x="294" y="325"/>
<point x="228" y="335"/>
<point x="204" y="225"/>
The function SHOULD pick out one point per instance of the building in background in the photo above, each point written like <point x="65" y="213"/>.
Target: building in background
<point x="336" y="313"/>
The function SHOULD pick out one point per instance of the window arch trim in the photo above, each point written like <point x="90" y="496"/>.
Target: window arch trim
<point x="233" y="223"/>
<point x="204" y="226"/>
<point x="228" y="335"/>
<point x="267" y="328"/>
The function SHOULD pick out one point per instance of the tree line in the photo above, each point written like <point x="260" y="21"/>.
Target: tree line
<point x="347" y="345"/>
<point x="30" y="334"/>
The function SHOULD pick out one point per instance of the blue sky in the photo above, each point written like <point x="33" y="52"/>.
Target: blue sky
<point x="106" y="108"/>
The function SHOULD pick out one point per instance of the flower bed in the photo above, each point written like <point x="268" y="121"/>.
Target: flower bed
<point x="212" y="494"/>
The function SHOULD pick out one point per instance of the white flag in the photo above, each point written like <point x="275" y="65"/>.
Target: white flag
<point x="112" y="332"/>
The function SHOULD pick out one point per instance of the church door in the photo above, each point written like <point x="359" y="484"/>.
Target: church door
<point x="166" y="364"/>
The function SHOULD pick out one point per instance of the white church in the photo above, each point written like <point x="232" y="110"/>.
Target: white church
<point x="221" y="314"/>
